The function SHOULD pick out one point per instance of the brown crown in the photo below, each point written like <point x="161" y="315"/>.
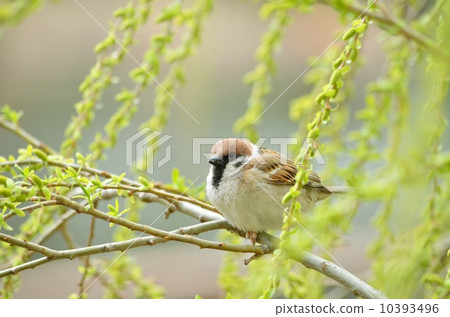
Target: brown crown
<point x="232" y="145"/>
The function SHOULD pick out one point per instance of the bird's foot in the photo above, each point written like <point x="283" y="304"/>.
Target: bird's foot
<point x="252" y="235"/>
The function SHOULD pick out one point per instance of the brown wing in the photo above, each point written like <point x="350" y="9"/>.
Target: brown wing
<point x="282" y="171"/>
<point x="279" y="169"/>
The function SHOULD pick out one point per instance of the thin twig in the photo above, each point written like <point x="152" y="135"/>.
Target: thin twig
<point x="163" y="194"/>
<point x="309" y="260"/>
<point x="66" y="235"/>
<point x="335" y="272"/>
<point x="30" y="208"/>
<point x="55" y="226"/>
<point x="52" y="255"/>
<point x="150" y="230"/>
<point x="16" y="129"/>
<point x="135" y="186"/>
<point x="390" y="20"/>
<point x="86" y="261"/>
<point x="49" y="253"/>
<point x="213" y="221"/>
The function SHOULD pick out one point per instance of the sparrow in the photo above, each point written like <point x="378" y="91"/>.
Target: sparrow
<point x="246" y="183"/>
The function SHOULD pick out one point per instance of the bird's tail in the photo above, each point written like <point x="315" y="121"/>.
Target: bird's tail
<point x="339" y="189"/>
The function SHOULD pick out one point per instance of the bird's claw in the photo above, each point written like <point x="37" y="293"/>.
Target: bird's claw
<point x="252" y="236"/>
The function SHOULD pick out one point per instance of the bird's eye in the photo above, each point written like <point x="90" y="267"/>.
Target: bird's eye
<point x="232" y="157"/>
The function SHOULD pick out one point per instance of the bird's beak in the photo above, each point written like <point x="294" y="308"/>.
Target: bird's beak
<point x="216" y="160"/>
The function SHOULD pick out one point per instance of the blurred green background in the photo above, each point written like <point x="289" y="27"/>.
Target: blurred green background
<point x="45" y="58"/>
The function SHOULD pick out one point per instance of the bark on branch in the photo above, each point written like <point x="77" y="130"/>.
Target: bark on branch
<point x="209" y="221"/>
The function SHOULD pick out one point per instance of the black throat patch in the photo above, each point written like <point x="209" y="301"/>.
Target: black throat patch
<point x="217" y="172"/>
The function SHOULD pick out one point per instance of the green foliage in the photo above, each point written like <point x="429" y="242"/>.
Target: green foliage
<point x="14" y="11"/>
<point x="124" y="270"/>
<point x="148" y="70"/>
<point x="19" y="185"/>
<point x="238" y="284"/>
<point x="110" y="53"/>
<point x="414" y="170"/>
<point x="294" y="237"/>
<point x="395" y="155"/>
<point x="259" y="78"/>
<point x="181" y="184"/>
<point x="192" y="20"/>
<point x="10" y="115"/>
<point x="410" y="258"/>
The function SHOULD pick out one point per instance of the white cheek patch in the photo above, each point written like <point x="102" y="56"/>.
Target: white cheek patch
<point x="231" y="170"/>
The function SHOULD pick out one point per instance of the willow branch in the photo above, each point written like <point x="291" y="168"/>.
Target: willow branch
<point x="413" y="35"/>
<point x="156" y="232"/>
<point x="337" y="273"/>
<point x="55" y="226"/>
<point x="210" y="221"/>
<point x="30" y="208"/>
<point x="309" y="260"/>
<point x="52" y="255"/>
<point x="87" y="263"/>
<point x="16" y="129"/>
<point x="49" y="253"/>
<point x="327" y="268"/>
<point x="164" y="192"/>
<point x="68" y="239"/>
<point x="389" y="20"/>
